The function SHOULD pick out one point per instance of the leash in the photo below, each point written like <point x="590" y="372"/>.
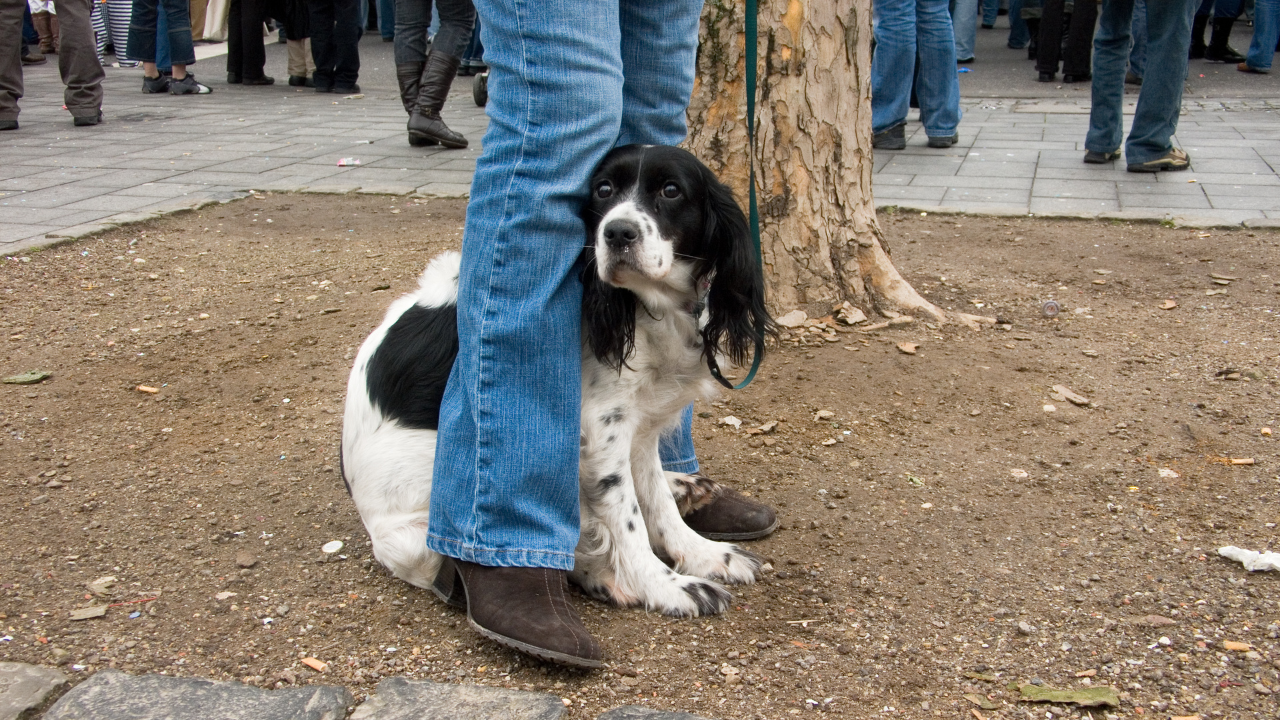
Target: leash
<point x="753" y="213"/>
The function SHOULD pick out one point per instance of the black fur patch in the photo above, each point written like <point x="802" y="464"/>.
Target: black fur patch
<point x="342" y="469"/>
<point x="408" y="371"/>
<point x="613" y="416"/>
<point x="631" y="527"/>
<point x="611" y="481"/>
<point x="709" y="598"/>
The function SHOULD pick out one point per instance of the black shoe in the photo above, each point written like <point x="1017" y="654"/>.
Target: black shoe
<point x="985" y="26"/>
<point x="944" y="142"/>
<point x="966" y="61"/>
<point x="1076" y="78"/>
<point x="8" y="125"/>
<point x="158" y="84"/>
<point x="300" y="81"/>
<point x="323" y="88"/>
<point x="234" y="79"/>
<point x="1047" y="77"/>
<point x="87" y="120"/>
<point x="895" y="138"/>
<point x="264" y="80"/>
<point x="420" y="141"/>
<point x="1093" y="157"/>
<point x="1219" y="50"/>
<point x="351" y="89"/>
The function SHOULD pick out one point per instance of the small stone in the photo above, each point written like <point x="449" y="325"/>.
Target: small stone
<point x="283" y="610"/>
<point x="1159" y="621"/>
<point x="23" y="687"/>
<point x="245" y="559"/>
<point x="1261" y="689"/>
<point x="1025" y="628"/>
<point x="823" y="415"/>
<point x="793" y="319"/>
<point x="53" y="484"/>
<point x="86" y="613"/>
<point x="28" y="378"/>
<point x="975" y="412"/>
<point x="39" y="499"/>
<point x="399" y="699"/>
<point x="59" y="657"/>
<point x="908" y="348"/>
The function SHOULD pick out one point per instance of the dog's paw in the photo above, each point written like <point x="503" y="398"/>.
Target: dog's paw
<point x="597" y="588"/>
<point x="691" y="492"/>
<point x="685" y="596"/>
<point x="722" y="562"/>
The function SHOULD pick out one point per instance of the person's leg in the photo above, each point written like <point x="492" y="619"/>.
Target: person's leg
<point x="1050" y="47"/>
<point x="1138" y="30"/>
<point x="322" y="51"/>
<point x="990" y="11"/>
<point x="78" y="61"/>
<point x="235" y="41"/>
<point x="676" y="447"/>
<point x="964" y="22"/>
<point x="1225" y="13"/>
<point x="346" y="42"/>
<point x="164" y="60"/>
<point x="1156" y="117"/>
<point x="253" y="52"/>
<point x="1019" y="35"/>
<point x="182" y="49"/>
<point x="1075" y="63"/>
<point x="387" y="19"/>
<point x="142" y="32"/>
<point x="1266" y="28"/>
<point x="1110" y="50"/>
<point x="937" y="85"/>
<point x="893" y="64"/>
<point x="10" y="63"/>
<point x="413" y="17"/>
<point x="505" y="490"/>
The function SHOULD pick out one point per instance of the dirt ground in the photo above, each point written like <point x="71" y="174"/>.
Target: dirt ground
<point x="950" y="528"/>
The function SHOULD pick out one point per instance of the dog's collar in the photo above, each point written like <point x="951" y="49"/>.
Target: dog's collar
<point x="696" y="306"/>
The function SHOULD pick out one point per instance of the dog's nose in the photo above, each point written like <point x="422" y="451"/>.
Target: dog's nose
<point x="620" y="233"/>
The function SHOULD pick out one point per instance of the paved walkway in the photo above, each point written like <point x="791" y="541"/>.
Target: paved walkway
<point x="157" y="153"/>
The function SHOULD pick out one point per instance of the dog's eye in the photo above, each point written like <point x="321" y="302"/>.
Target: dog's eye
<point x="670" y="191"/>
<point x="604" y="190"/>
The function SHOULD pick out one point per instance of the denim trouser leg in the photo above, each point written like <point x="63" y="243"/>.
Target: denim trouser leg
<point x="990" y="11"/>
<point x="1138" y="30"/>
<point x="387" y="19"/>
<point x="1019" y="34"/>
<point x="676" y="447"/>
<point x="413" y="18"/>
<point x="1266" y="27"/>
<point x="142" y="31"/>
<point x="964" y="21"/>
<point x="937" y="85"/>
<point x="902" y="29"/>
<point x="506" y="471"/>
<point x="163" y="61"/>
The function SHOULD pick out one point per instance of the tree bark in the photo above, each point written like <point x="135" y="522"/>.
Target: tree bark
<point x="820" y="240"/>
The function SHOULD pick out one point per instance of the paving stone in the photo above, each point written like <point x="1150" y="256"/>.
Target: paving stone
<point x="635" y="712"/>
<point x="400" y="699"/>
<point x="111" y="695"/>
<point x="23" y="687"/>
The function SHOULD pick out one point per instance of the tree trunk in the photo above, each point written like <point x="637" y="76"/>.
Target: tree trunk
<point x="819" y="236"/>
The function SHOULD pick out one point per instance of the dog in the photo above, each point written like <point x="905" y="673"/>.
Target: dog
<point x="671" y="288"/>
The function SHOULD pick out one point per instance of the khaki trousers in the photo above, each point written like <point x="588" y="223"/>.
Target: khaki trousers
<point x="77" y="58"/>
<point x="300" y="62"/>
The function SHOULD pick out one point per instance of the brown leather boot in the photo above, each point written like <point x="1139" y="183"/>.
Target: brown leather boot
<point x="731" y="516"/>
<point x="522" y="608"/>
<point x="43" y="22"/>
<point x="424" y="120"/>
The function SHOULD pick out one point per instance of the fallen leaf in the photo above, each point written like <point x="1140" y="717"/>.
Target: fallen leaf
<point x="908" y="348"/>
<point x="1085" y="697"/>
<point x="981" y="702"/>
<point x="30" y="377"/>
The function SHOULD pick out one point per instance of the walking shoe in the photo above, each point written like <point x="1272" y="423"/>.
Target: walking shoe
<point x="157" y="84"/>
<point x="33" y="55"/>
<point x="967" y="61"/>
<point x="1245" y="67"/>
<point x="264" y="80"/>
<point x="1046" y="77"/>
<point x="234" y="78"/>
<point x="895" y="138"/>
<point x="732" y="516"/>
<point x="351" y="89"/>
<point x="8" y="125"/>
<point x="188" y="86"/>
<point x="524" y="609"/>
<point x="1076" y="78"/>
<point x="1175" y="159"/>
<point x="1093" y="157"/>
<point x="87" y="120"/>
<point x="944" y="142"/>
<point x="300" y="81"/>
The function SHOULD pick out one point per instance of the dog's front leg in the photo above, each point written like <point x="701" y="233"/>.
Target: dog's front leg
<point x="691" y="553"/>
<point x="614" y="561"/>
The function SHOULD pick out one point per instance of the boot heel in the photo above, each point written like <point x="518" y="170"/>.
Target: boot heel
<point x="448" y="586"/>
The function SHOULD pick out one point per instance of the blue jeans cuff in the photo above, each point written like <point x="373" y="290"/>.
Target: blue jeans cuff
<point x="495" y="557"/>
<point x="688" y="467"/>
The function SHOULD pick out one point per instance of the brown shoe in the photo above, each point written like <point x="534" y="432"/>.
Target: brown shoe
<point x="522" y="608"/>
<point x="731" y="516"/>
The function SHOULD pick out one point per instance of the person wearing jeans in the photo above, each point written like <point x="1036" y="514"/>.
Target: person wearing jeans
<point x="77" y="62"/>
<point x="1148" y="147"/>
<point x="1266" y="28"/>
<point x="425" y="71"/>
<point x="1019" y="33"/>
<point x="142" y="46"/>
<point x="907" y="32"/>
<point x="964" y="21"/>
<point x="335" y="44"/>
<point x="568" y="82"/>
<point x="387" y="20"/>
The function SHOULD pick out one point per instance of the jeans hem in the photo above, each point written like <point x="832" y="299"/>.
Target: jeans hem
<point x="687" y="467"/>
<point x="498" y="557"/>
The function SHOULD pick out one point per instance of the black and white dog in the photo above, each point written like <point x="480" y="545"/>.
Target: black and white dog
<point x="671" y="286"/>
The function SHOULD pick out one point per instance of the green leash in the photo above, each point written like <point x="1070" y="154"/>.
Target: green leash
<point x="753" y="212"/>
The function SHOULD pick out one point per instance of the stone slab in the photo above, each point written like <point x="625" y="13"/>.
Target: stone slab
<point x="400" y="699"/>
<point x="23" y="687"/>
<point x="635" y="712"/>
<point x="111" y="695"/>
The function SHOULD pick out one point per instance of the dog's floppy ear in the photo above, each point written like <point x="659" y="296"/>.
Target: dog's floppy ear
<point x="738" y="321"/>
<point x="608" y="315"/>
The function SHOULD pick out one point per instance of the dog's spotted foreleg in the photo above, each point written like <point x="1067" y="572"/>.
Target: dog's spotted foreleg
<point x="691" y="491"/>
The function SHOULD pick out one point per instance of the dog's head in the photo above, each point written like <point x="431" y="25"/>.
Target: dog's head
<point x="660" y="226"/>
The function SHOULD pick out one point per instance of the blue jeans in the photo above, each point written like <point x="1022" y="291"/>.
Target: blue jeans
<point x="990" y="11"/>
<point x="1019" y="33"/>
<point x="1138" y="28"/>
<point x="413" y="17"/>
<point x="1266" y="27"/>
<point x="163" y="64"/>
<point x="387" y="19"/>
<point x="1156" y="118"/>
<point x="1221" y="8"/>
<point x="568" y="81"/>
<point x="905" y="30"/>
<point x="142" y="31"/>
<point x="964" y="20"/>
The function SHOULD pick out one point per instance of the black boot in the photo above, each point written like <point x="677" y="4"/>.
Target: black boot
<point x="409" y="76"/>
<point x="1033" y="28"/>
<point x="1219" y="50"/>
<point x="1197" y="37"/>
<point x="424" y="120"/>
